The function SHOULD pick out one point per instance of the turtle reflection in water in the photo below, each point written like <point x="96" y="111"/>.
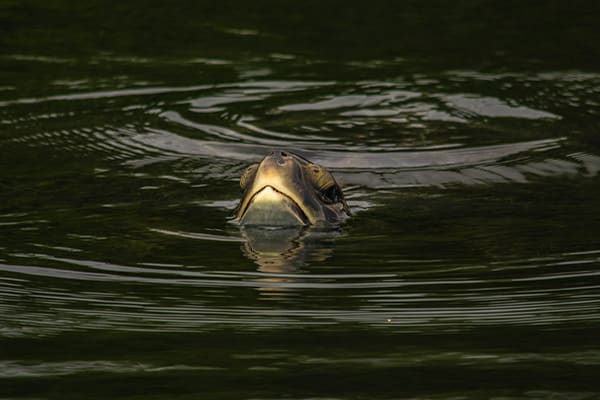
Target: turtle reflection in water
<point x="289" y="211"/>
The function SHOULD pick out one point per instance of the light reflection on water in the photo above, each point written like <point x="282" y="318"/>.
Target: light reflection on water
<point x="244" y="125"/>
<point x="425" y="296"/>
<point x="473" y="209"/>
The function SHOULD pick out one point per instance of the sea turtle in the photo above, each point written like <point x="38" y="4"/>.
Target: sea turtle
<point x="286" y="189"/>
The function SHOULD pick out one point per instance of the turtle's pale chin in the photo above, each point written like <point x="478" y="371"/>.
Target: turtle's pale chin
<point x="270" y="206"/>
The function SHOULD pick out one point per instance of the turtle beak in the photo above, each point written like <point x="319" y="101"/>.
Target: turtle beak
<point x="270" y="206"/>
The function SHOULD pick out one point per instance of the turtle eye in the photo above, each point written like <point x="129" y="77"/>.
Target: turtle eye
<point x="247" y="176"/>
<point x="331" y="194"/>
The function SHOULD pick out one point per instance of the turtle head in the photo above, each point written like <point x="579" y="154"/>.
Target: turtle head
<point x="285" y="189"/>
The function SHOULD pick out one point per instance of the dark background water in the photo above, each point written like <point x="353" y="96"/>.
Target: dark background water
<point x="465" y="135"/>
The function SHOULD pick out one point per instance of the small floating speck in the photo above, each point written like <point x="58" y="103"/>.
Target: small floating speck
<point x="241" y="32"/>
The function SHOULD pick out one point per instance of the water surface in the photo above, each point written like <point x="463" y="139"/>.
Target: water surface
<point x="469" y="156"/>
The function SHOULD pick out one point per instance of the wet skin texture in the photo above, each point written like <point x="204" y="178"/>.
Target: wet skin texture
<point x="285" y="189"/>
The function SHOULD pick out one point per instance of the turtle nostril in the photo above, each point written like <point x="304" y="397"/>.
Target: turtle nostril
<point x="280" y="156"/>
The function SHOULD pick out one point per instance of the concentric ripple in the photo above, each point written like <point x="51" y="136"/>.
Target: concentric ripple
<point x="470" y="192"/>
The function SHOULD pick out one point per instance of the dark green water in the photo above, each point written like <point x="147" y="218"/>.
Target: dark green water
<point x="466" y="137"/>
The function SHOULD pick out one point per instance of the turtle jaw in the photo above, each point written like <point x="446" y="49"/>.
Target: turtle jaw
<point x="270" y="206"/>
